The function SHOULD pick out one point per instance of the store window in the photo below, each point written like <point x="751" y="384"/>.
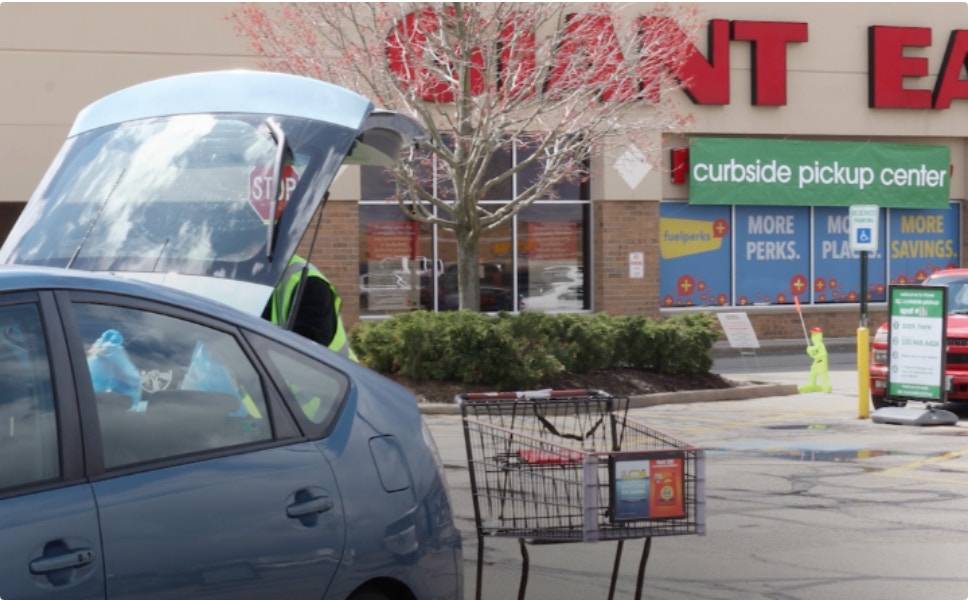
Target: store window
<point x="536" y="260"/>
<point x="767" y="255"/>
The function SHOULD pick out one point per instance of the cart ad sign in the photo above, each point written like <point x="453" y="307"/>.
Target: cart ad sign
<point x="916" y="358"/>
<point x="648" y="487"/>
<point x="817" y="173"/>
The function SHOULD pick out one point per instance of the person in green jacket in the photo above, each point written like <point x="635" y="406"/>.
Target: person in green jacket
<point x="318" y="315"/>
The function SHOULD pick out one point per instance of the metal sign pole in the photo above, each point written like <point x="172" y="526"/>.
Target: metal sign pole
<point x="863" y="288"/>
<point x="864" y="233"/>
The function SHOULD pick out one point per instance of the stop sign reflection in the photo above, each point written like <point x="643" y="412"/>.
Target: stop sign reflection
<point x="260" y="189"/>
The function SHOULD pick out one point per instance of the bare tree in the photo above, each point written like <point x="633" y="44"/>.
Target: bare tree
<point x="567" y="82"/>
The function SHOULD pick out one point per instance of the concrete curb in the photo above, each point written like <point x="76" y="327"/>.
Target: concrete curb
<point x="786" y="346"/>
<point x="746" y="391"/>
<point x="743" y="391"/>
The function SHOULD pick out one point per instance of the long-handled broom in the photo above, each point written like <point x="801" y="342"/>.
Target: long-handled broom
<point x="796" y="301"/>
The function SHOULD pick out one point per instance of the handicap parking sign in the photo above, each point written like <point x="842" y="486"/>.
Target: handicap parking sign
<point x="863" y="228"/>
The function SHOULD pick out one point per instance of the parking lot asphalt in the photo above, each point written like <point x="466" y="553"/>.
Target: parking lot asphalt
<point x="755" y="443"/>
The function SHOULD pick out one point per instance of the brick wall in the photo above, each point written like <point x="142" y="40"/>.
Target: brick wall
<point x="9" y="212"/>
<point x="337" y="254"/>
<point x="621" y="227"/>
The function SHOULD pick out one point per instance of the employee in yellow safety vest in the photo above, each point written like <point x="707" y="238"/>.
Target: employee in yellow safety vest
<point x="318" y="318"/>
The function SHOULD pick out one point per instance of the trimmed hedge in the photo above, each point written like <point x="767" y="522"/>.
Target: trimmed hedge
<point x="519" y="351"/>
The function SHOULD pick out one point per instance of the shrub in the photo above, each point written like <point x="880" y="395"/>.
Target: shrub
<point x="518" y="351"/>
<point x="637" y="342"/>
<point x="583" y="343"/>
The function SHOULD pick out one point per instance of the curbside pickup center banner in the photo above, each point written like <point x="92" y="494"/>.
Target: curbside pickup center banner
<point x="742" y="171"/>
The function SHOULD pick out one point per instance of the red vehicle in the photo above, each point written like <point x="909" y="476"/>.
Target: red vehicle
<point x="956" y="340"/>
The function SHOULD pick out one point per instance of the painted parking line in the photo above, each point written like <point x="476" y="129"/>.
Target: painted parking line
<point x="911" y="466"/>
<point x="729" y="423"/>
<point x="751" y="422"/>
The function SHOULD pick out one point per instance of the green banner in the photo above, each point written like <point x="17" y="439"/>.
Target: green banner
<point x="809" y="173"/>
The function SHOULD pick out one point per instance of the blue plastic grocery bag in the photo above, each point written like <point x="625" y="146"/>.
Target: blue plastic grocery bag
<point x="111" y="368"/>
<point x="206" y="374"/>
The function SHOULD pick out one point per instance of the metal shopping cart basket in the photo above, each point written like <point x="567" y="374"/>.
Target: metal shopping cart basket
<point x="555" y="466"/>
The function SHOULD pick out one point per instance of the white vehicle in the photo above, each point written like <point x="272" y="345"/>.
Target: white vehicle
<point x="385" y="292"/>
<point x="404" y="266"/>
<point x="563" y="273"/>
<point x="559" y="297"/>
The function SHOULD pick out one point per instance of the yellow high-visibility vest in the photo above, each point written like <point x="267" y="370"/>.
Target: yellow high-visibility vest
<point x="283" y="296"/>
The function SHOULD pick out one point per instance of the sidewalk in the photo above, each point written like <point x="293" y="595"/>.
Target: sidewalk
<point x="787" y="363"/>
<point x="786" y="346"/>
<point x="777" y="368"/>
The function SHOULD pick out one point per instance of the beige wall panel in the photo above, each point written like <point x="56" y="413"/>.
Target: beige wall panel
<point x="346" y="186"/>
<point x="25" y="154"/>
<point x="614" y="185"/>
<point x="52" y="87"/>
<point x="58" y="57"/>
<point x="959" y="176"/>
<point x="827" y="76"/>
<point x="837" y="32"/>
<point x="822" y="104"/>
<point x="124" y="27"/>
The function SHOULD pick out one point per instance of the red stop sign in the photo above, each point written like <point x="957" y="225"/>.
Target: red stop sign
<point x="260" y="189"/>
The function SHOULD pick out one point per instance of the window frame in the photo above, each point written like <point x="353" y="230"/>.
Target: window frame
<point x="282" y="425"/>
<point x="70" y="451"/>
<point x="313" y="431"/>
<point x="584" y="199"/>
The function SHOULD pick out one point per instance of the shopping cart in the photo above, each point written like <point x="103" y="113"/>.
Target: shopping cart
<point x="557" y="466"/>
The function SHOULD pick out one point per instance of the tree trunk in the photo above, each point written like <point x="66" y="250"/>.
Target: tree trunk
<point x="468" y="272"/>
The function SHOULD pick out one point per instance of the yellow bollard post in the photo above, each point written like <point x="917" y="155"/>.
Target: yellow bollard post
<point x="863" y="373"/>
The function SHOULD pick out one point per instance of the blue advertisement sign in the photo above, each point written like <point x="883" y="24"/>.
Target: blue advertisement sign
<point x="836" y="268"/>
<point x="923" y="241"/>
<point x="694" y="244"/>
<point x="772" y="254"/>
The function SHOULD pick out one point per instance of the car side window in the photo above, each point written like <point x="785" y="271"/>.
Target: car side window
<point x="316" y="388"/>
<point x="28" y="424"/>
<point x="166" y="387"/>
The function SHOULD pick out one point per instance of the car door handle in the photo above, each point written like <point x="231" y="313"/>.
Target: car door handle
<point x="71" y="560"/>
<point x="312" y="506"/>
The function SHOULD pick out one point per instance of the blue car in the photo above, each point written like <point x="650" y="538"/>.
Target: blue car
<point x="158" y="438"/>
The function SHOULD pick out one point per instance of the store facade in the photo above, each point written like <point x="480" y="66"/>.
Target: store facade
<point x="800" y="111"/>
<point x="854" y="109"/>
